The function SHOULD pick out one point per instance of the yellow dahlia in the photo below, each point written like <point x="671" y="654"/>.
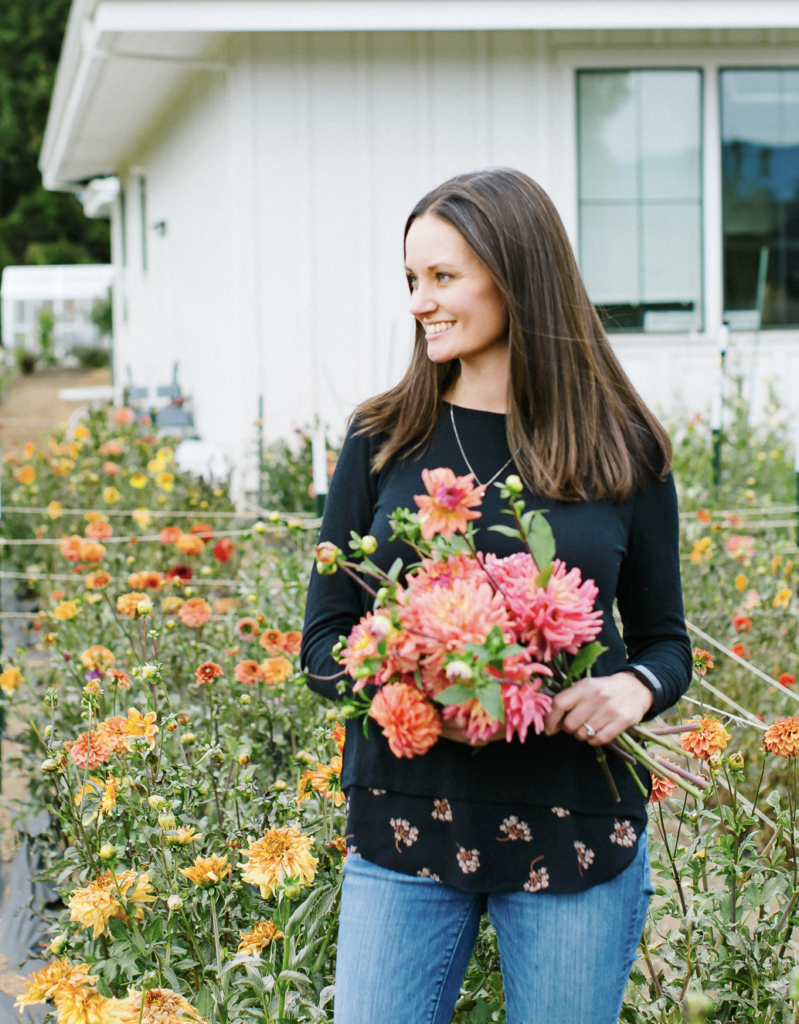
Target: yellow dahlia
<point x="184" y="834"/>
<point x="782" y="738"/>
<point x="281" y="853"/>
<point x="96" y="658"/>
<point x="109" y="794"/>
<point x="161" y="1006"/>
<point x="259" y="937"/>
<point x="96" y="903"/>
<point x="141" y="725"/>
<point x="207" y="870"/>
<point x="710" y="738"/>
<point x="81" y="1005"/>
<point x="325" y="780"/>
<point x="43" y="984"/>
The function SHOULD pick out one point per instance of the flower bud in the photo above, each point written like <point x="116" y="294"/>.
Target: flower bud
<point x="274" y="517"/>
<point x="156" y="802"/>
<point x="58" y="945"/>
<point x="107" y="851"/>
<point x="166" y="820"/>
<point x="51" y="697"/>
<point x="303" y="755"/>
<point x="206" y="570"/>
<point x="369" y="544"/>
<point x="170" y="623"/>
<point x="174" y="902"/>
<point x="188" y="737"/>
<point x="252" y="598"/>
<point x="217" y="757"/>
<point x="49" y="765"/>
<point x="735" y="762"/>
<point x="243" y="758"/>
<point x="48" y="731"/>
<point x="145" y="606"/>
<point x="326" y="555"/>
<point x="292" y="891"/>
<point x="458" y="670"/>
<point x="331" y="714"/>
<point x="245" y="699"/>
<point x="260" y="527"/>
<point x="171" y="726"/>
<point x="514" y="484"/>
<point x="130" y="560"/>
<point x="279" y="785"/>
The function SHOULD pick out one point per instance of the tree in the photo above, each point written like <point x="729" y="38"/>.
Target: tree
<point x="36" y="226"/>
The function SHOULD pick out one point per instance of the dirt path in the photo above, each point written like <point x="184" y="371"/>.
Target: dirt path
<point x="31" y="406"/>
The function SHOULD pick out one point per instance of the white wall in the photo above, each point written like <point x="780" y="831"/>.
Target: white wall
<point x="285" y="185"/>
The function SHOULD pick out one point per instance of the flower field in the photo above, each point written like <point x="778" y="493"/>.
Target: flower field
<point x="193" y="781"/>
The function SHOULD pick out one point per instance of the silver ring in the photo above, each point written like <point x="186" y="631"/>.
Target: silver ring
<point x="590" y="730"/>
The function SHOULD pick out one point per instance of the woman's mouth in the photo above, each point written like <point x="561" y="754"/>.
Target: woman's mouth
<point x="433" y="330"/>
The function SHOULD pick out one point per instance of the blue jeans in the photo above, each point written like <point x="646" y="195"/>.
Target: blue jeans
<point x="405" y="942"/>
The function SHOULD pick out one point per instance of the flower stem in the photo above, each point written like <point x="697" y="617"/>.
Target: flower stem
<point x="215" y="923"/>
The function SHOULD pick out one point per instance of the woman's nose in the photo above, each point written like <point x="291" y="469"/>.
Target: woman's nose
<point x="422" y="301"/>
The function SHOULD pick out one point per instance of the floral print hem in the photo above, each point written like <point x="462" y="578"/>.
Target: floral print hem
<point x="489" y="847"/>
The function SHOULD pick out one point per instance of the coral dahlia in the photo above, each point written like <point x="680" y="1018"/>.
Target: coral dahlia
<point x="449" y="503"/>
<point x="711" y="738"/>
<point x="782" y="738"/>
<point x="409" y="721"/>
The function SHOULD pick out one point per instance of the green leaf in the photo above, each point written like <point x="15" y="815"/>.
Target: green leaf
<point x="456" y="694"/>
<point x="490" y="696"/>
<point x="506" y="531"/>
<point x="543" y="577"/>
<point x="541" y="541"/>
<point x="395" y="570"/>
<point x="585" y="658"/>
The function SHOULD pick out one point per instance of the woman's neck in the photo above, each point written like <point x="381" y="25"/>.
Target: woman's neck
<point x="483" y="382"/>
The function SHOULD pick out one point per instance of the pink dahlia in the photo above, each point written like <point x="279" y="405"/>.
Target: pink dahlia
<point x="90" y="750"/>
<point x="443" y="572"/>
<point x="402" y="655"/>
<point x="362" y="643"/>
<point x="473" y="718"/>
<point x="449" y="503"/>
<point x="409" y="721"/>
<point x="524" y="706"/>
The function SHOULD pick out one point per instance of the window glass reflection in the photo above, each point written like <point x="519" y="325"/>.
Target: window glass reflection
<point x="641" y="197"/>
<point x="760" y="174"/>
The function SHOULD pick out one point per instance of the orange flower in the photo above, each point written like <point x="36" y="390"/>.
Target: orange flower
<point x="292" y="641"/>
<point x="70" y="547"/>
<point x="409" y="721"/>
<point x="170" y="534"/>
<point x="124" y="415"/>
<point x="742" y="651"/>
<point x="147" y="580"/>
<point x="338" y="736"/>
<point x="97" y="580"/>
<point x="223" y="551"/>
<point x="91" y="551"/>
<point x="247" y="629"/>
<point x="703" y="660"/>
<point x="190" y="545"/>
<point x="782" y="738"/>
<point x="327" y="781"/>
<point x="122" y="679"/>
<point x="203" y="531"/>
<point x="703" y="515"/>
<point x="89" y="751"/>
<point x="26" y="475"/>
<point x="207" y="870"/>
<point x="787" y="679"/>
<point x="128" y="604"/>
<point x="661" y="787"/>
<point x="272" y="640"/>
<point x="276" y="670"/>
<point x="259" y="937"/>
<point x="141" y="725"/>
<point x="249" y="673"/>
<point x="99" y="530"/>
<point x="223" y="605"/>
<point x="195" y="613"/>
<point x="741" y="623"/>
<point x="111" y="469"/>
<point x="97" y="657"/>
<point x="208" y="672"/>
<point x="112" y="447"/>
<point x="65" y="611"/>
<point x="113" y="733"/>
<point x="171" y="604"/>
<point x="710" y="738"/>
<point x="449" y="503"/>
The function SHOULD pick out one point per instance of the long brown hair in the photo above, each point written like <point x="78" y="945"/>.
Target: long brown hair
<point x="580" y="427"/>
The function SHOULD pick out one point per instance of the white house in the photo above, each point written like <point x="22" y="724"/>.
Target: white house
<point x="269" y="151"/>
<point x="68" y="292"/>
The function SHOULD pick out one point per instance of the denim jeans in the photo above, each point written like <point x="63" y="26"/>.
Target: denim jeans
<point x="405" y="942"/>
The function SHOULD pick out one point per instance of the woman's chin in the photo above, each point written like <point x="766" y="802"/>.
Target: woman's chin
<point x="438" y="352"/>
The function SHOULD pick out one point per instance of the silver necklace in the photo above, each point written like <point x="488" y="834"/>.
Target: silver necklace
<point x="463" y="453"/>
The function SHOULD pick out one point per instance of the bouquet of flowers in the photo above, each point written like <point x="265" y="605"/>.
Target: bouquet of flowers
<point x="473" y="638"/>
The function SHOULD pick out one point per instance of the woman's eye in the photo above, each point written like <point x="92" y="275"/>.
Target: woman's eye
<point x="443" y="277"/>
<point x="412" y="282"/>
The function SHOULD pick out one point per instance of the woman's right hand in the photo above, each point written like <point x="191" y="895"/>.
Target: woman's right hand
<point x="451" y="731"/>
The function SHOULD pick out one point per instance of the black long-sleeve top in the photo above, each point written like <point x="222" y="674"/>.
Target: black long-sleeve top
<point x="631" y="552"/>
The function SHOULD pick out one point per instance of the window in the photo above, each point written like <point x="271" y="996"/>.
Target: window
<point x="760" y="182"/>
<point x="640" y="160"/>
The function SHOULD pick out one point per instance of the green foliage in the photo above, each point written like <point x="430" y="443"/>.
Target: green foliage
<point x="103" y="315"/>
<point x="92" y="357"/>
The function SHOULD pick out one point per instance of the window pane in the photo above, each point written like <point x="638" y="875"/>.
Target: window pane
<point x="760" y="176"/>
<point x="640" y="197"/>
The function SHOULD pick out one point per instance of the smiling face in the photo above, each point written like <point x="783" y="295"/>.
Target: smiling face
<point x="453" y="296"/>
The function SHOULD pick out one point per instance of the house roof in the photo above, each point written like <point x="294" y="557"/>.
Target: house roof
<point x="122" y="60"/>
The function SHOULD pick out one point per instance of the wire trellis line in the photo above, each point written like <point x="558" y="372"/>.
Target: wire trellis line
<point x="145" y="538"/>
<point x="726" y="714"/>
<point x="163" y="513"/>
<point x="64" y="577"/>
<point x="741" y="661"/>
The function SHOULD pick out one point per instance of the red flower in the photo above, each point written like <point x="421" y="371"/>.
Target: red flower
<point x="742" y="651"/>
<point x="741" y="623"/>
<point x="787" y="679"/>
<point x="203" y="531"/>
<point x="223" y="549"/>
<point x="180" y="572"/>
<point x="170" y="534"/>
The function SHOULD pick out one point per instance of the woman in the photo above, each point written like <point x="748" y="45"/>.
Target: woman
<point x="511" y="372"/>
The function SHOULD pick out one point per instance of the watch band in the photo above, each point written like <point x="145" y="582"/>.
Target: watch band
<point x="647" y="677"/>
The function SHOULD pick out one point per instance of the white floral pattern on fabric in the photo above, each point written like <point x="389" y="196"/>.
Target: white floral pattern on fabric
<point x="585" y="857"/>
<point x="623" y="834"/>
<point x="539" y="879"/>
<point x="404" y="832"/>
<point x="442" y="810"/>
<point x="378" y="792"/>
<point x="427" y="873"/>
<point x="468" y="860"/>
<point x="514" y="829"/>
<point x="560" y="812"/>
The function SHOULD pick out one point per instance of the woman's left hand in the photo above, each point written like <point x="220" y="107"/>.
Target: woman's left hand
<point x="609" y="704"/>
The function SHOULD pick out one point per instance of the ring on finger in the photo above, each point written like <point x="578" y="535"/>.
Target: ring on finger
<point x="589" y="729"/>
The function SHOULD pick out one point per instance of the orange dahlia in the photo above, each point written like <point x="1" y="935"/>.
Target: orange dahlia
<point x="170" y="534"/>
<point x="90" y="750"/>
<point x="70" y="548"/>
<point x="703" y="660"/>
<point x="97" y="657"/>
<point x="259" y="937"/>
<point x="91" y="551"/>
<point x="207" y="870"/>
<point x="202" y="530"/>
<point x="281" y="853"/>
<point x="189" y="544"/>
<point x="338" y="736"/>
<point x="147" y="580"/>
<point x="292" y="641"/>
<point x="248" y="672"/>
<point x="113" y="733"/>
<point x="141" y="725"/>
<point x="99" y="530"/>
<point x="409" y="721"/>
<point x="128" y="604"/>
<point x="272" y="640"/>
<point x="276" y="670"/>
<point x="122" y="679"/>
<point x="710" y="738"/>
<point x="661" y="787"/>
<point x="97" y="580"/>
<point x="782" y="738"/>
<point x="195" y="613"/>
<point x="449" y="503"/>
<point x="208" y="672"/>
